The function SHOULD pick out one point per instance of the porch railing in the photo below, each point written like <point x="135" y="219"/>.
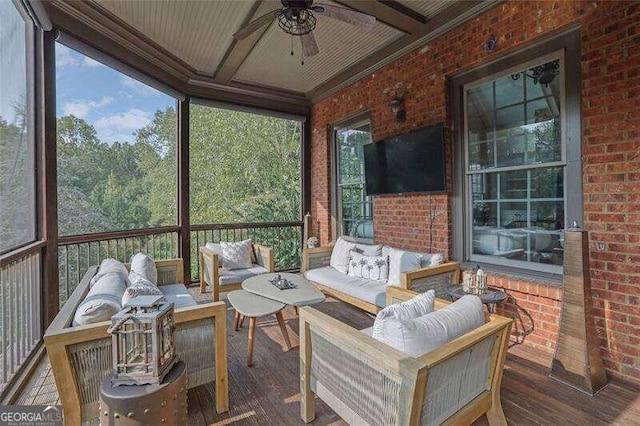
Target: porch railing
<point x="285" y="238"/>
<point x="76" y="253"/>
<point x="20" y="313"/>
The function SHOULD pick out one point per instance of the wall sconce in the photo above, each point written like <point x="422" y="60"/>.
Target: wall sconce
<point x="397" y="106"/>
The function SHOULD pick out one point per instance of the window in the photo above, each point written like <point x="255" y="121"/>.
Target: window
<point x="116" y="149"/>
<point x="515" y="173"/>
<point x="354" y="208"/>
<point x="17" y="142"/>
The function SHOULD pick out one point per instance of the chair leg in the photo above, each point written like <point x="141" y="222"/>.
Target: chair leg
<point x="252" y="331"/>
<point x="495" y="414"/>
<point x="283" y="328"/>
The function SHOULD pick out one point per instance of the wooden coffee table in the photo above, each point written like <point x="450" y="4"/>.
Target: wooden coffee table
<point x="253" y="306"/>
<point x="304" y="294"/>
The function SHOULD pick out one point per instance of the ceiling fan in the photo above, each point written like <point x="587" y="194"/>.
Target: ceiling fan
<point x="296" y="17"/>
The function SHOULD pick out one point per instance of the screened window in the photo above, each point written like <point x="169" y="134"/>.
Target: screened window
<point x="17" y="143"/>
<point x="354" y="207"/>
<point x="514" y="145"/>
<point x="116" y="149"/>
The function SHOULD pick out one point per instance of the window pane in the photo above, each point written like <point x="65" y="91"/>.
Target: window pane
<point x="116" y="149"/>
<point x="243" y="167"/>
<point x="17" y="171"/>
<point x="356" y="217"/>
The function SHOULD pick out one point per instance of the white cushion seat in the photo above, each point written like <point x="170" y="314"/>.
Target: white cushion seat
<point x="178" y="294"/>
<point x="370" y="291"/>
<point x="235" y="276"/>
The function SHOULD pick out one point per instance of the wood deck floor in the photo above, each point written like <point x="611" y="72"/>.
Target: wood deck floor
<point x="268" y="392"/>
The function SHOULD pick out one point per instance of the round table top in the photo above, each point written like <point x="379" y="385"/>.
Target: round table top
<point x="303" y="294"/>
<point x="252" y="305"/>
<point x="490" y="295"/>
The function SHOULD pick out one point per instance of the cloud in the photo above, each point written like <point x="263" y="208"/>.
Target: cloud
<point x="66" y="57"/>
<point x="91" y="63"/>
<point x="82" y="109"/>
<point x="120" y="126"/>
<point x="137" y="87"/>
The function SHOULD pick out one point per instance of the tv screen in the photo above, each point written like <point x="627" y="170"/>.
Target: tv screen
<point x="413" y="162"/>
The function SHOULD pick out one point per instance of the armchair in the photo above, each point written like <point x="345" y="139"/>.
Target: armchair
<point x="367" y="382"/>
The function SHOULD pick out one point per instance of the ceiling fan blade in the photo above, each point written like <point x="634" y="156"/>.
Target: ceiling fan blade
<point x="309" y="45"/>
<point x="348" y="15"/>
<point x="256" y="24"/>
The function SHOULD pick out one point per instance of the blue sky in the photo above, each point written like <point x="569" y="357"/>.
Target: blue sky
<point x="113" y="103"/>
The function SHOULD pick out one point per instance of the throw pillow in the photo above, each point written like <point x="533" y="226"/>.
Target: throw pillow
<point x="401" y="261"/>
<point x="415" y="307"/>
<point x="108" y="266"/>
<point x="140" y="288"/>
<point x="236" y="255"/>
<point x="369" y="249"/>
<point x="429" y="259"/>
<point x="215" y="247"/>
<point x="368" y="267"/>
<point x="418" y="336"/>
<point x="143" y="265"/>
<point x="340" y="255"/>
<point x="102" y="301"/>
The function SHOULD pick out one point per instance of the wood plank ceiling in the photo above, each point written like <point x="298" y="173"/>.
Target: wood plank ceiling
<point x="192" y="41"/>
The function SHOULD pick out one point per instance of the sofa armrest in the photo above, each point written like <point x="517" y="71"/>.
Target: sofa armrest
<point x="431" y="278"/>
<point x="315" y="257"/>
<point x="209" y="271"/>
<point x="264" y="257"/>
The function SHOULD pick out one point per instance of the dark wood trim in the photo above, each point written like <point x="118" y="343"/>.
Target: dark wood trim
<point x="395" y="17"/>
<point x="216" y="226"/>
<point x="400" y="7"/>
<point x="184" y="248"/>
<point x="18" y="254"/>
<point x="444" y="21"/>
<point x="48" y="174"/>
<point x="240" y="49"/>
<point x="101" y="236"/>
<point x="305" y="167"/>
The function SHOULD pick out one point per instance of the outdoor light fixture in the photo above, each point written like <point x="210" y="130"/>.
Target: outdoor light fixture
<point x="397" y="106"/>
<point x="297" y="21"/>
<point x="543" y="74"/>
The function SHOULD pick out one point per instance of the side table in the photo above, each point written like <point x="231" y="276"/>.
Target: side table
<point x="162" y="404"/>
<point x="490" y="297"/>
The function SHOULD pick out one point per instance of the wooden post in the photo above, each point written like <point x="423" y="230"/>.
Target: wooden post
<point x="577" y="360"/>
<point x="184" y="220"/>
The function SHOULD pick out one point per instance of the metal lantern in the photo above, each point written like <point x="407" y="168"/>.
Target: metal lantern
<point x="142" y="341"/>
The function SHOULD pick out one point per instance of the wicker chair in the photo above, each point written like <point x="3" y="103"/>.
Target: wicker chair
<point x="210" y="270"/>
<point x="81" y="356"/>
<point x="367" y="382"/>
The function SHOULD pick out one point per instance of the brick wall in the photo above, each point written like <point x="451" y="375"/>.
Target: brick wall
<point x="611" y="156"/>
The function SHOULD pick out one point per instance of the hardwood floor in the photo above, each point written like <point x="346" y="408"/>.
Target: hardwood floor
<point x="268" y="392"/>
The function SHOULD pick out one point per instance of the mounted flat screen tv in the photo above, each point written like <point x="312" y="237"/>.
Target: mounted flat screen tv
<point x="413" y="162"/>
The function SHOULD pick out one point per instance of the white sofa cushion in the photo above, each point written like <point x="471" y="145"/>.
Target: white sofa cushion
<point x="236" y="255"/>
<point x="103" y="300"/>
<point x="421" y="335"/>
<point x="140" y="288"/>
<point x="370" y="291"/>
<point x="368" y="267"/>
<point x="341" y="254"/>
<point x="401" y="261"/>
<point x="369" y="249"/>
<point x="235" y="276"/>
<point x="415" y="307"/>
<point x="178" y="294"/>
<point x="431" y="259"/>
<point x="143" y="265"/>
<point x="109" y="266"/>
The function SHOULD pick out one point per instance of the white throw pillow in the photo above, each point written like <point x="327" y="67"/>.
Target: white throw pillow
<point x="236" y="255"/>
<point x="401" y="261"/>
<point x="215" y="247"/>
<point x="421" y="335"/>
<point x="434" y="259"/>
<point x="368" y="267"/>
<point x="340" y="255"/>
<point x="369" y="249"/>
<point x="139" y="288"/>
<point x="103" y="300"/>
<point x="415" y="307"/>
<point x="143" y="265"/>
<point x="109" y="266"/>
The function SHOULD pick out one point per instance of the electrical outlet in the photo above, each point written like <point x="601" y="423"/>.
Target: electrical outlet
<point x="600" y="245"/>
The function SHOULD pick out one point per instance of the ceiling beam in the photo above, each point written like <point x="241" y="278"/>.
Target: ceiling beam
<point x="453" y="15"/>
<point x="240" y="49"/>
<point x="391" y="13"/>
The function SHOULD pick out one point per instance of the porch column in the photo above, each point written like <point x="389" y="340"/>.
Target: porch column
<point x="184" y="248"/>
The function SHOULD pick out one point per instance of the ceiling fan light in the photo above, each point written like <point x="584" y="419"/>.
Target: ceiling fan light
<point x="300" y="23"/>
